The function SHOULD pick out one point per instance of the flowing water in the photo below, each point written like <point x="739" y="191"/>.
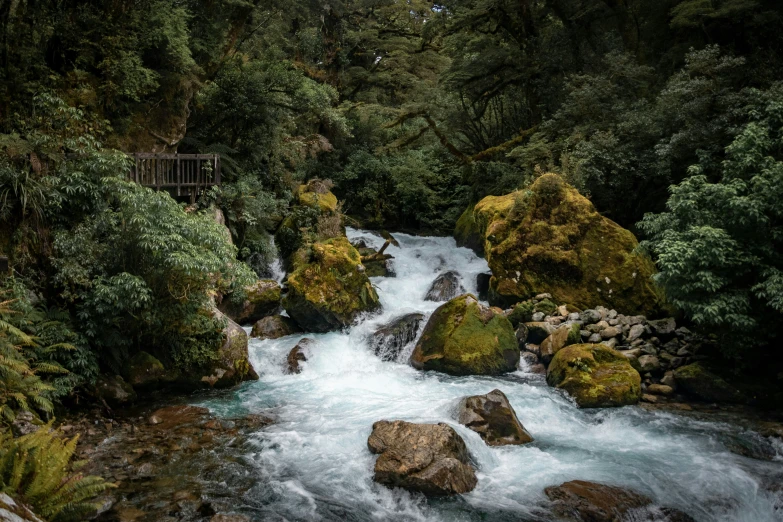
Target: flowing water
<point x="313" y="464"/>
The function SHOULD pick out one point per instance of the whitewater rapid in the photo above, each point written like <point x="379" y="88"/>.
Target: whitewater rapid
<point x="313" y="463"/>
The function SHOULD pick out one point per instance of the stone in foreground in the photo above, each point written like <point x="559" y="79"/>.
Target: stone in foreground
<point x="446" y="286"/>
<point x="595" y="376"/>
<point x="493" y="418"/>
<point x="463" y="337"/>
<point x="579" y="501"/>
<point x="696" y="380"/>
<point x="428" y="458"/>
<point x="231" y="364"/>
<point x="299" y="354"/>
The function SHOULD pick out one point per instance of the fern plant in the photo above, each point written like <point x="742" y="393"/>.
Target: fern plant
<point x="37" y="470"/>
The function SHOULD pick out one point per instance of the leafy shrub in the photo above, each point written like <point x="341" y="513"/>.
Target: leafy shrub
<point x="719" y="245"/>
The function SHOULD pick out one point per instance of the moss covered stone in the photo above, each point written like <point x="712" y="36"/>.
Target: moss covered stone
<point x="262" y="299"/>
<point x="565" y="335"/>
<point x="463" y="337"/>
<point x="595" y="376"/>
<point x="698" y="381"/>
<point x="331" y="289"/>
<point x="324" y="200"/>
<point x="551" y="239"/>
<point x="145" y="371"/>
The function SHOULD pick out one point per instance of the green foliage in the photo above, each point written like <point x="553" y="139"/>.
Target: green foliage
<point x="41" y="358"/>
<point x="718" y="245"/>
<point x="37" y="470"/>
<point x="141" y="271"/>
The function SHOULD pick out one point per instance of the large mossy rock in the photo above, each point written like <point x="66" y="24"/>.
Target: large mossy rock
<point x="697" y="381"/>
<point x="463" y="337"/>
<point x="595" y="375"/>
<point x="316" y="194"/>
<point x="145" y="371"/>
<point x="551" y="239"/>
<point x="262" y="299"/>
<point x="330" y="290"/>
<point x="429" y="458"/>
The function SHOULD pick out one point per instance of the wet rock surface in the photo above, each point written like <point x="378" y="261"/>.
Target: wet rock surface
<point x="274" y="327"/>
<point x="299" y="354"/>
<point x="493" y="418"/>
<point x="582" y="501"/>
<point x="175" y="463"/>
<point x="428" y="458"/>
<point x="447" y="285"/>
<point x="389" y="340"/>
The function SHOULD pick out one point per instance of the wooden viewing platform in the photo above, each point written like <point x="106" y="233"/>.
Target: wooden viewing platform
<point x="180" y="174"/>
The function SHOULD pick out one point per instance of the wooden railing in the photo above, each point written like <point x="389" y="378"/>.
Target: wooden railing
<point x="181" y="174"/>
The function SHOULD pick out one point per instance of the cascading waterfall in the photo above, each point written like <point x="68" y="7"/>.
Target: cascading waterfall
<point x="313" y="464"/>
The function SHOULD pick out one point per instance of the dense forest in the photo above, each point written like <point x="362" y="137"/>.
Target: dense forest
<point x="667" y="116"/>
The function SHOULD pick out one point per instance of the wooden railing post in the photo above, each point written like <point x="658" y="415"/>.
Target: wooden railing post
<point x="179" y="176"/>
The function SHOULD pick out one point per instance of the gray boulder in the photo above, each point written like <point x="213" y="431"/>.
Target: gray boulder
<point x="389" y="340"/>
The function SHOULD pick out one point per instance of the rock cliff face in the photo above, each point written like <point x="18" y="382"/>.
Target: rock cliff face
<point x="549" y="238"/>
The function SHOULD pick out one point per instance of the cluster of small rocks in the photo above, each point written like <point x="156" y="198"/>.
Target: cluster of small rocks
<point x="655" y="348"/>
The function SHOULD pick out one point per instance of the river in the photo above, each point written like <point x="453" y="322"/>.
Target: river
<point x="313" y="463"/>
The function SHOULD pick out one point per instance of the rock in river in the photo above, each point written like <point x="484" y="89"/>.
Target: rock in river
<point x="582" y="501"/>
<point x="274" y="327"/>
<point x="390" y="339"/>
<point x="429" y="458"/>
<point x="463" y="337"/>
<point x="330" y="289"/>
<point x="493" y="418"/>
<point x="299" y="354"/>
<point x="446" y="286"/>
<point x="595" y="376"/>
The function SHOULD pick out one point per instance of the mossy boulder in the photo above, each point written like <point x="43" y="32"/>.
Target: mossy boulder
<point x="595" y="376"/>
<point x="463" y="337"/>
<point x="145" y="371"/>
<point x="331" y="289"/>
<point x="317" y="196"/>
<point x="551" y="239"/>
<point x="697" y="381"/>
<point x="261" y="299"/>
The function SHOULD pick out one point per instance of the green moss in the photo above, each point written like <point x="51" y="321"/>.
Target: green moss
<point x="696" y="380"/>
<point x="551" y="239"/>
<point x="463" y="337"/>
<point x="595" y="376"/>
<point x="467" y="232"/>
<point x="144" y="370"/>
<point x="326" y="202"/>
<point x="546" y="307"/>
<point x="574" y="335"/>
<point x="522" y="313"/>
<point x="331" y="289"/>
